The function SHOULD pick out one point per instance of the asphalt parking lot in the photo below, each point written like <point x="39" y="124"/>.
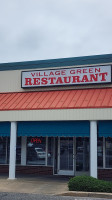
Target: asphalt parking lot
<point x="19" y="196"/>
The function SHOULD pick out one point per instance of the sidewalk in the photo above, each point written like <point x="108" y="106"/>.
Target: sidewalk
<point x="47" y="185"/>
<point x="34" y="184"/>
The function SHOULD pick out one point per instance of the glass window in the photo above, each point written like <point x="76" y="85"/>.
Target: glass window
<point x="8" y="149"/>
<point x="108" y="152"/>
<point x="18" y="151"/>
<point x="50" y="150"/>
<point x="82" y="154"/>
<point x="36" y="150"/>
<point x="3" y="150"/>
<point x="100" y="151"/>
<point x="66" y="153"/>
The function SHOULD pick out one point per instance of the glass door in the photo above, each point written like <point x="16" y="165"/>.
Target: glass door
<point x="65" y="156"/>
<point x="82" y="155"/>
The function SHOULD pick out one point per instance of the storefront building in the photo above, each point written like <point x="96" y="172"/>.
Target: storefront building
<point x="56" y="117"/>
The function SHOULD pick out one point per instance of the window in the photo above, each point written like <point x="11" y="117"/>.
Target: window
<point x="82" y="153"/>
<point x="3" y="150"/>
<point x="100" y="151"/>
<point x="18" y="151"/>
<point x="50" y="150"/>
<point x="36" y="150"/>
<point x="108" y="152"/>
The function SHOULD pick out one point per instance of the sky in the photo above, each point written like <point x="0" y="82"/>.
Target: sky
<point x="50" y="29"/>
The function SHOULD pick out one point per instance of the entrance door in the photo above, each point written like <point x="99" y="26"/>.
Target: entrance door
<point x="65" y="156"/>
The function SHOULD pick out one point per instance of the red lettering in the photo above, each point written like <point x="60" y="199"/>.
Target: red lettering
<point x="67" y="79"/>
<point x="32" y="140"/>
<point x="36" y="140"/>
<point x="57" y="73"/>
<point x="103" y="76"/>
<point x="93" y="77"/>
<point x="63" y="72"/>
<point x="51" y="74"/>
<point x="84" y="70"/>
<point x="44" y="81"/>
<point x="45" y="74"/>
<point x="59" y="80"/>
<point x="52" y="80"/>
<point x="39" y="74"/>
<point x="72" y="71"/>
<point x="76" y="79"/>
<point x="90" y="70"/>
<point x="36" y="81"/>
<point x="39" y="141"/>
<point x="97" y="70"/>
<point x="28" y="81"/>
<point x="79" y="71"/>
<point x="33" y="74"/>
<point x="85" y="79"/>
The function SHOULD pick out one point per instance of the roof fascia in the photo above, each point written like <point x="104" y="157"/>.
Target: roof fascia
<point x="62" y="62"/>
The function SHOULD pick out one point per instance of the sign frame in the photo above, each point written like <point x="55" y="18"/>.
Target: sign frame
<point x="66" y="85"/>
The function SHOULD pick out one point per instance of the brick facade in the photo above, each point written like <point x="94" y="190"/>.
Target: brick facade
<point x="105" y="174"/>
<point x="38" y="170"/>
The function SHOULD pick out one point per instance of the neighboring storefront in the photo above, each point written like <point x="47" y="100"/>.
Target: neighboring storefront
<point x="56" y="117"/>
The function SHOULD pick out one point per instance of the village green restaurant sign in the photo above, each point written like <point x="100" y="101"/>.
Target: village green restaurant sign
<point x="69" y="76"/>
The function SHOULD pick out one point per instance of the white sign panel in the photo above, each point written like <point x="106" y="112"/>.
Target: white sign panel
<point x="71" y="76"/>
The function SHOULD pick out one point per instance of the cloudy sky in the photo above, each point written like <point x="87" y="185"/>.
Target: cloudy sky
<point x="47" y="29"/>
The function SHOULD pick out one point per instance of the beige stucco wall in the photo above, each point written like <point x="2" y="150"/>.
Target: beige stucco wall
<point x="52" y="115"/>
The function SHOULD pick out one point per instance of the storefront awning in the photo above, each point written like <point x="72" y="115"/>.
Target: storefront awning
<point x="4" y="129"/>
<point x="105" y="128"/>
<point x="54" y="128"/>
<point x="69" y="99"/>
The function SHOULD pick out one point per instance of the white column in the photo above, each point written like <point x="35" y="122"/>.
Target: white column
<point x="93" y="149"/>
<point x="23" y="150"/>
<point x="12" y="162"/>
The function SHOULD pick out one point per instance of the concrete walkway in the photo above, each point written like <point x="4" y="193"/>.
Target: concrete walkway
<point x="46" y="185"/>
<point x="36" y="185"/>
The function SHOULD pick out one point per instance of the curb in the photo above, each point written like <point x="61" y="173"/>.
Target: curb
<point x="87" y="194"/>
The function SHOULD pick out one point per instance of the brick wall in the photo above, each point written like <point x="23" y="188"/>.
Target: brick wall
<point x="4" y="169"/>
<point x="105" y="174"/>
<point x="38" y="170"/>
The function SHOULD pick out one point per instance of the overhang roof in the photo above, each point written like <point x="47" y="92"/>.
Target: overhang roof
<point x="61" y="62"/>
<point x="66" y="99"/>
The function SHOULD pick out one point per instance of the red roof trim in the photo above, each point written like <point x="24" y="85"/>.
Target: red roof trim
<point x="68" y="99"/>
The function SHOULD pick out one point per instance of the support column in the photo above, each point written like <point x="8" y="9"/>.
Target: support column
<point x="23" y="150"/>
<point x="12" y="162"/>
<point x="93" y="149"/>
